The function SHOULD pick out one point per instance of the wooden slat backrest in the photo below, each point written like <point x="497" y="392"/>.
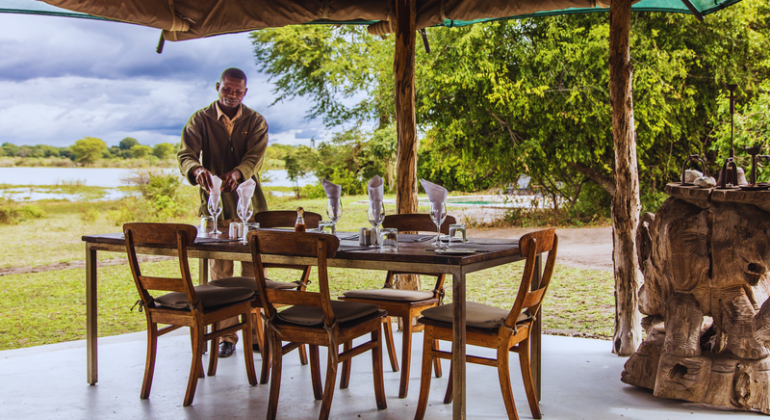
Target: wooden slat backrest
<point x="155" y="234"/>
<point x="416" y="223"/>
<point x="285" y="218"/>
<point x="305" y="244"/>
<point x="531" y="245"/>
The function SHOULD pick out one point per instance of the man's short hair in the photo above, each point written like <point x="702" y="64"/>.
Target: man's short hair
<point x="233" y="72"/>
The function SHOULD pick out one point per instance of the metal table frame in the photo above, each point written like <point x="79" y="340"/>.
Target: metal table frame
<point x="458" y="271"/>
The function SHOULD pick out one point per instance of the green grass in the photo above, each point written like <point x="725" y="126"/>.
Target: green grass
<point x="50" y="307"/>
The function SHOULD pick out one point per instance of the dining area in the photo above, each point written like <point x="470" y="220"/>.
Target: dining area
<point x="292" y="319"/>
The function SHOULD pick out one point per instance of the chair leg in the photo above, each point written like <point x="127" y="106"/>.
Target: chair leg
<point x="331" y="378"/>
<point x="214" y="356"/>
<point x="379" y="383"/>
<point x="267" y="352"/>
<point x="425" y="374"/>
<point x="529" y="384"/>
<point x="406" y="357"/>
<point x="196" y="368"/>
<point x="248" y="350"/>
<point x="448" y="396"/>
<point x="276" y="360"/>
<point x="149" y="366"/>
<point x="391" y="344"/>
<point x="315" y="373"/>
<point x="346" y="365"/>
<point x="504" y="373"/>
<point x="302" y="355"/>
<point x="260" y="330"/>
<point x="437" y="361"/>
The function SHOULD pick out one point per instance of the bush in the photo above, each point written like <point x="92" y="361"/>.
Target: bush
<point x="161" y="200"/>
<point x="313" y="191"/>
<point x="11" y="213"/>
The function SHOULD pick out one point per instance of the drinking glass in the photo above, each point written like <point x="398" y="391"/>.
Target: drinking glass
<point x="389" y="240"/>
<point x="215" y="211"/>
<point x="459" y="230"/>
<point x="324" y="225"/>
<point x="376" y="219"/>
<point x="438" y="214"/>
<point x="334" y="213"/>
<point x="245" y="210"/>
<point x="208" y="225"/>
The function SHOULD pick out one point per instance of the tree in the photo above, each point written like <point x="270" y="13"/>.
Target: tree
<point x="163" y="150"/>
<point x="10" y="149"/>
<point x="88" y="150"/>
<point x="141" y="151"/>
<point x="128" y="143"/>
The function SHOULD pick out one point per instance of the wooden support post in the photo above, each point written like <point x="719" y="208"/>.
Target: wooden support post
<point x="91" y="315"/>
<point x="626" y="203"/>
<point x="403" y="69"/>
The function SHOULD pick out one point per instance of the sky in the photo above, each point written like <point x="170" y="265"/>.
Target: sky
<point x="63" y="79"/>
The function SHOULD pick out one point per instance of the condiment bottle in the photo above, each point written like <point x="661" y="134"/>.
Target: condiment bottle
<point x="299" y="225"/>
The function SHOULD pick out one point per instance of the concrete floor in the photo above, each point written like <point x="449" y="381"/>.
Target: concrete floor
<point x="581" y="380"/>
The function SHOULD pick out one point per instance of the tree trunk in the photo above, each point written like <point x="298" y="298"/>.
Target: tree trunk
<point x="625" y="204"/>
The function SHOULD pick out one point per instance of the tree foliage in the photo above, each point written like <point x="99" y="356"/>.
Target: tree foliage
<point x="88" y="150"/>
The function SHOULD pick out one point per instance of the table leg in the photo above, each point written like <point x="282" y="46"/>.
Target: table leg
<point x="458" y="345"/>
<point x="203" y="271"/>
<point x="537" y="327"/>
<point x="91" y="314"/>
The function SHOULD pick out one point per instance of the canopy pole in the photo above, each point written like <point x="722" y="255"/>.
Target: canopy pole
<point x="626" y="203"/>
<point x="403" y="69"/>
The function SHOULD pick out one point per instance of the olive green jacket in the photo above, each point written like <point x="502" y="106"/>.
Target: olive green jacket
<point x="205" y="142"/>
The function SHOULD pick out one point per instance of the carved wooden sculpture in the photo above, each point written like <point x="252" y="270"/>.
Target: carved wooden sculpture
<point x="705" y="257"/>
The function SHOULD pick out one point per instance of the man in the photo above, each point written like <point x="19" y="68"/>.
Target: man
<point x="226" y="139"/>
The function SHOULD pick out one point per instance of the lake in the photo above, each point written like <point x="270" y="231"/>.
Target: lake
<point x="97" y="177"/>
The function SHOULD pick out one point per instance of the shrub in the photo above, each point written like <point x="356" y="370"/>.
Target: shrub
<point x="11" y="213"/>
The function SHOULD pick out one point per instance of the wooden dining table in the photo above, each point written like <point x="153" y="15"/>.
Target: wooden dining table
<point x="415" y="255"/>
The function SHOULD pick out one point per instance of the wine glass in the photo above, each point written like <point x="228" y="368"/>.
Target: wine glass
<point x="215" y="209"/>
<point x="376" y="214"/>
<point x="438" y="214"/>
<point x="334" y="211"/>
<point x="245" y="211"/>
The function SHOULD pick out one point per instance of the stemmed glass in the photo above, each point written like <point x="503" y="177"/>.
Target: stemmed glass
<point x="438" y="214"/>
<point x="334" y="216"/>
<point x="245" y="211"/>
<point x="215" y="210"/>
<point x="374" y="218"/>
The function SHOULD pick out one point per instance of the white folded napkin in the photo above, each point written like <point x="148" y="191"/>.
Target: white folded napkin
<point x="376" y="192"/>
<point x="245" y="192"/>
<point x="216" y="190"/>
<point x="333" y="191"/>
<point x="436" y="194"/>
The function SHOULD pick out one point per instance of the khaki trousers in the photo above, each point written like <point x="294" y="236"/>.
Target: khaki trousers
<point x="219" y="269"/>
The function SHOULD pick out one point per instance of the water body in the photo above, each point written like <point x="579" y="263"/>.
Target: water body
<point x="109" y="178"/>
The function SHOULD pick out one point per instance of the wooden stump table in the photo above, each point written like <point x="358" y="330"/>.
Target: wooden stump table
<point x="705" y="257"/>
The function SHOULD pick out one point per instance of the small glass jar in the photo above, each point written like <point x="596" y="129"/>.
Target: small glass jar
<point x="389" y="240"/>
<point x="456" y="234"/>
<point x="208" y="224"/>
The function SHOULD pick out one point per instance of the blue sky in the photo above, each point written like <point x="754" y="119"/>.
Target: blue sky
<point x="62" y="79"/>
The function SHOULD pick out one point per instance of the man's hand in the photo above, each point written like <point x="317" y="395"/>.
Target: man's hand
<point x="230" y="180"/>
<point x="203" y="178"/>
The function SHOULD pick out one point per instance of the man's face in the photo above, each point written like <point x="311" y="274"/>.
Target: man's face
<point x="231" y="91"/>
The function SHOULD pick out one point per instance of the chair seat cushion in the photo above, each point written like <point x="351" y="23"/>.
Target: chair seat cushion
<point x="311" y="315"/>
<point x="251" y="283"/>
<point x="477" y="315"/>
<point x="390" y="294"/>
<point x="210" y="297"/>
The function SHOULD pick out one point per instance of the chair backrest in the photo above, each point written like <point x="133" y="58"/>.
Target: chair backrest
<point x="285" y="218"/>
<point x="161" y="234"/>
<point x="416" y="223"/>
<point x="529" y="300"/>
<point x="310" y="245"/>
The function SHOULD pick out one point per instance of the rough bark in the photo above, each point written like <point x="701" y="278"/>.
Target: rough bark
<point x="406" y="126"/>
<point x="625" y="204"/>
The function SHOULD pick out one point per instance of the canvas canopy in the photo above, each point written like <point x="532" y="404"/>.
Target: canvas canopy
<point x="190" y="19"/>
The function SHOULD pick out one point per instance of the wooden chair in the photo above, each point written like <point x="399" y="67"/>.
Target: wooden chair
<point x="314" y="318"/>
<point x="270" y="219"/>
<point x="185" y="306"/>
<point x="405" y="304"/>
<point x="490" y="327"/>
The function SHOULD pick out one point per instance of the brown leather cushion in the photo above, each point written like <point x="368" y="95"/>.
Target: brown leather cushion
<point x="477" y="315"/>
<point x="210" y="297"/>
<point x="251" y="283"/>
<point x="311" y="315"/>
<point x="390" y="294"/>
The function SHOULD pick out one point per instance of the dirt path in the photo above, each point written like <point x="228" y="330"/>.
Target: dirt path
<point x="580" y="247"/>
